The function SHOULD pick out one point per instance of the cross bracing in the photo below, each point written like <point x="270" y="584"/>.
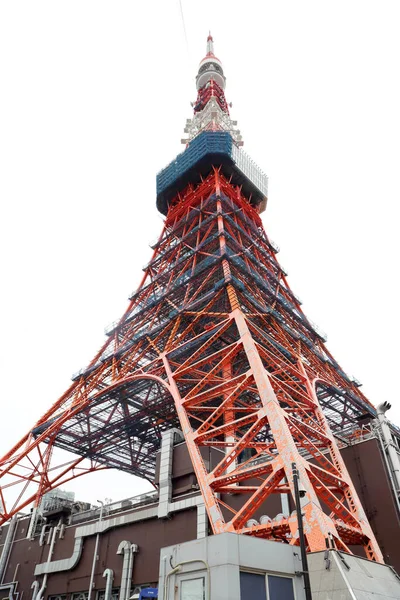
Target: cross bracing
<point x="213" y="342"/>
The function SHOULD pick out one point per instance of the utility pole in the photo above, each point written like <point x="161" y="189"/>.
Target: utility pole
<point x="304" y="562"/>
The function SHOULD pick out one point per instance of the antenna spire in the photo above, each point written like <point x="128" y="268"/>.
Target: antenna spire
<point x="210" y="45"/>
<point x="210" y="111"/>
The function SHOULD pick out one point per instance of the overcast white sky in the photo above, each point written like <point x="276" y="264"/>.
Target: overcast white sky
<point x="94" y="97"/>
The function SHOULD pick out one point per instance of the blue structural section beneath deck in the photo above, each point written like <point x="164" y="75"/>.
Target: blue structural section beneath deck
<point x="211" y="148"/>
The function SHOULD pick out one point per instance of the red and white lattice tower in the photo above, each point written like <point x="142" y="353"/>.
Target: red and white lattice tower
<point x="213" y="342"/>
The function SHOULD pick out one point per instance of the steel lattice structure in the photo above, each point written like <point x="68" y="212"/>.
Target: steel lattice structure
<point x="213" y="342"/>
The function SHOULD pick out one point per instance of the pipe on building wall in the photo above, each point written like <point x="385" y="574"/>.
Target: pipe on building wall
<point x="48" y="539"/>
<point x="65" y="564"/>
<point x="179" y="566"/>
<point x="35" y="588"/>
<point x="391" y="449"/>
<point x="202" y="521"/>
<point x="129" y="573"/>
<point x="15" y="573"/>
<point x="388" y="467"/>
<point x="124" y="548"/>
<point x="10" y="587"/>
<point x="165" y="477"/>
<point x="42" y="534"/>
<point x="109" y="574"/>
<point x="167" y="576"/>
<point x="83" y="531"/>
<point x="54" y="532"/>
<point x="7" y="547"/>
<point x="95" y="556"/>
<point x="32" y="523"/>
<point x="127" y="549"/>
<point x="134" y="550"/>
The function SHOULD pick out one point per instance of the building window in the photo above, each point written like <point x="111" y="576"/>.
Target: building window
<point x="114" y="594"/>
<point x="280" y="588"/>
<point x="252" y="586"/>
<point x="80" y="596"/>
<point x="193" y="589"/>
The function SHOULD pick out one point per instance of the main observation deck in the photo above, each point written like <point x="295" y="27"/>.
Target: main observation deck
<point x="212" y="148"/>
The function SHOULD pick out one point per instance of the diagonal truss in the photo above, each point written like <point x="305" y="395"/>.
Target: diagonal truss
<point x="214" y="342"/>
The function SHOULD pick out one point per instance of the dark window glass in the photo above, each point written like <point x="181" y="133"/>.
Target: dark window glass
<point x="206" y="66"/>
<point x="280" y="588"/>
<point x="252" y="586"/>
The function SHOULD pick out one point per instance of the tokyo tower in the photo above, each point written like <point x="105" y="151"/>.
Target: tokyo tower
<point x="214" y="343"/>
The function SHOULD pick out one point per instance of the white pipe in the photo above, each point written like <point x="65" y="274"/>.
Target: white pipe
<point x="109" y="573"/>
<point x="164" y="567"/>
<point x="40" y="593"/>
<point x="96" y="547"/>
<point x="132" y="550"/>
<point x="391" y="449"/>
<point x="7" y="546"/>
<point x="389" y="469"/>
<point x="123" y="548"/>
<point x="42" y="534"/>
<point x="35" y="588"/>
<point x="178" y="568"/>
<point x="167" y="576"/>
<point x="15" y="573"/>
<point x="10" y="587"/>
<point x="127" y="549"/>
<point x="32" y="524"/>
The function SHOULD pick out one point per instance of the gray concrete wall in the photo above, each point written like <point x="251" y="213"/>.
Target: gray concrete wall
<point x="339" y="576"/>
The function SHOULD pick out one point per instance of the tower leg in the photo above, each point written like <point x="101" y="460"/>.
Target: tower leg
<point x="279" y="431"/>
